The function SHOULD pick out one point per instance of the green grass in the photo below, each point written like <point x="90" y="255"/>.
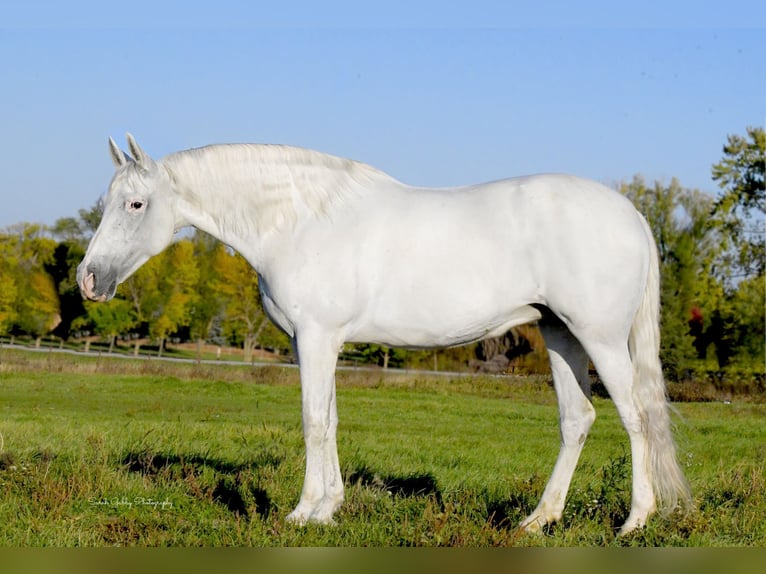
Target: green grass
<point x="101" y="452"/>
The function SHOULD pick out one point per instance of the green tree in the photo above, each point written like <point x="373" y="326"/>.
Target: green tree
<point x="112" y="318"/>
<point x="209" y="306"/>
<point x="90" y="219"/>
<point x="162" y="292"/>
<point x="748" y="331"/>
<point x="688" y="247"/>
<point x="379" y="355"/>
<point x="62" y="268"/>
<point x="740" y="214"/>
<point x="68" y="229"/>
<point x="741" y="208"/>
<point x="143" y="292"/>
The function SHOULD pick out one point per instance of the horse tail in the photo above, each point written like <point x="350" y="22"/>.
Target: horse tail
<point x="670" y="486"/>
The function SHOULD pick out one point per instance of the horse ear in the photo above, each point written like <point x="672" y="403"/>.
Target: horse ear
<point x="141" y="158"/>
<point x="118" y="157"/>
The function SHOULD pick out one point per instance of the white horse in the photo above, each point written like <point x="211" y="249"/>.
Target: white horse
<point x="346" y="253"/>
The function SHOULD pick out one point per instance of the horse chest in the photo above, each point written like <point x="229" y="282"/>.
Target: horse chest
<point x="273" y="310"/>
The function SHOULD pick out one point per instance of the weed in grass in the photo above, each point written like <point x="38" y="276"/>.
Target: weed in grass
<point x="606" y="498"/>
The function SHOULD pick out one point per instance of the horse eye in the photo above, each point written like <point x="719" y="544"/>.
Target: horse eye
<point x="136" y="205"/>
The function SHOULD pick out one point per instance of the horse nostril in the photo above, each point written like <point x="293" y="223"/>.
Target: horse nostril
<point x="89" y="285"/>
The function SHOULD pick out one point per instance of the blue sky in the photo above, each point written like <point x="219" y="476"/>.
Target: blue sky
<point x="432" y="93"/>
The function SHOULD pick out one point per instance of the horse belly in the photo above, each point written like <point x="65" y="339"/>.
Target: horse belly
<point x="438" y="330"/>
<point x="446" y="294"/>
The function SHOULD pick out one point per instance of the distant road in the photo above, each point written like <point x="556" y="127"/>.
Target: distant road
<point x="389" y="371"/>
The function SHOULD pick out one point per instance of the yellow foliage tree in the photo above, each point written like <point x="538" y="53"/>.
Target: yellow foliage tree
<point x="39" y="311"/>
<point x="177" y="291"/>
<point x="238" y="282"/>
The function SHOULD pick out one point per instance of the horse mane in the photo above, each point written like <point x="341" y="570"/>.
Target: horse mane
<point x="262" y="187"/>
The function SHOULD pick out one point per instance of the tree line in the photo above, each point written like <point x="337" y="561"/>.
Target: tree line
<point x="196" y="290"/>
<point x="711" y="255"/>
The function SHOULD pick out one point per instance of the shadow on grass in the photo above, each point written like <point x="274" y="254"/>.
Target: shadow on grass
<point x="415" y="485"/>
<point x="231" y="485"/>
<point x="507" y="513"/>
<point x="154" y="464"/>
<point x="229" y="493"/>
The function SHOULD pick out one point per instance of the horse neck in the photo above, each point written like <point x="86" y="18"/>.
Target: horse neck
<point x="242" y="193"/>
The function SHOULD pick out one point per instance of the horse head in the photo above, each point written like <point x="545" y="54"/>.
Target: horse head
<point x="138" y="222"/>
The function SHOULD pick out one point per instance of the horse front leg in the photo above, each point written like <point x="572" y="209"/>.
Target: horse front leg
<point x="323" y="485"/>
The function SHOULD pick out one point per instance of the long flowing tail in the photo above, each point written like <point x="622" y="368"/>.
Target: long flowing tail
<point x="670" y="485"/>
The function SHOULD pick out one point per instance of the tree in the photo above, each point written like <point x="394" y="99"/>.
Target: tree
<point x="8" y="283"/>
<point x="208" y="308"/>
<point x="38" y="309"/>
<point x="741" y="208"/>
<point x="238" y="282"/>
<point x="379" y="355"/>
<point x="36" y="306"/>
<point x="67" y="229"/>
<point x="162" y="292"/>
<point x="688" y="246"/>
<point x="740" y="214"/>
<point x="177" y="291"/>
<point x="62" y="268"/>
<point x="90" y="218"/>
<point x="143" y="292"/>
<point x="748" y="332"/>
<point x="111" y="318"/>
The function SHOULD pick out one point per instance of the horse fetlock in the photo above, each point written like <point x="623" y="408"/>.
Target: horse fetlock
<point x="636" y="519"/>
<point x="323" y="514"/>
<point x="320" y="512"/>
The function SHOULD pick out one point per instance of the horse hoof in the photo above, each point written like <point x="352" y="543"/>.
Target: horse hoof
<point x="297" y="518"/>
<point x="532" y="524"/>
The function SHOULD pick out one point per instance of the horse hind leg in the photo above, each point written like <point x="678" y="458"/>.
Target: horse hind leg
<point x="569" y="366"/>
<point x="615" y="368"/>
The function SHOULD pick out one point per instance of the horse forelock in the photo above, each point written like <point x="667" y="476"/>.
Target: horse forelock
<point x="258" y="187"/>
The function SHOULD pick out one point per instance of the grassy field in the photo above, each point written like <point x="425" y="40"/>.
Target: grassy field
<point x="103" y="452"/>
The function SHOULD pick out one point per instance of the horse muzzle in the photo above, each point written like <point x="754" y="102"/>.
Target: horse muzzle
<point x="96" y="285"/>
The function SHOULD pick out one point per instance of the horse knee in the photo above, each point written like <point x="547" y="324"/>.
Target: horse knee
<point x="575" y="424"/>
